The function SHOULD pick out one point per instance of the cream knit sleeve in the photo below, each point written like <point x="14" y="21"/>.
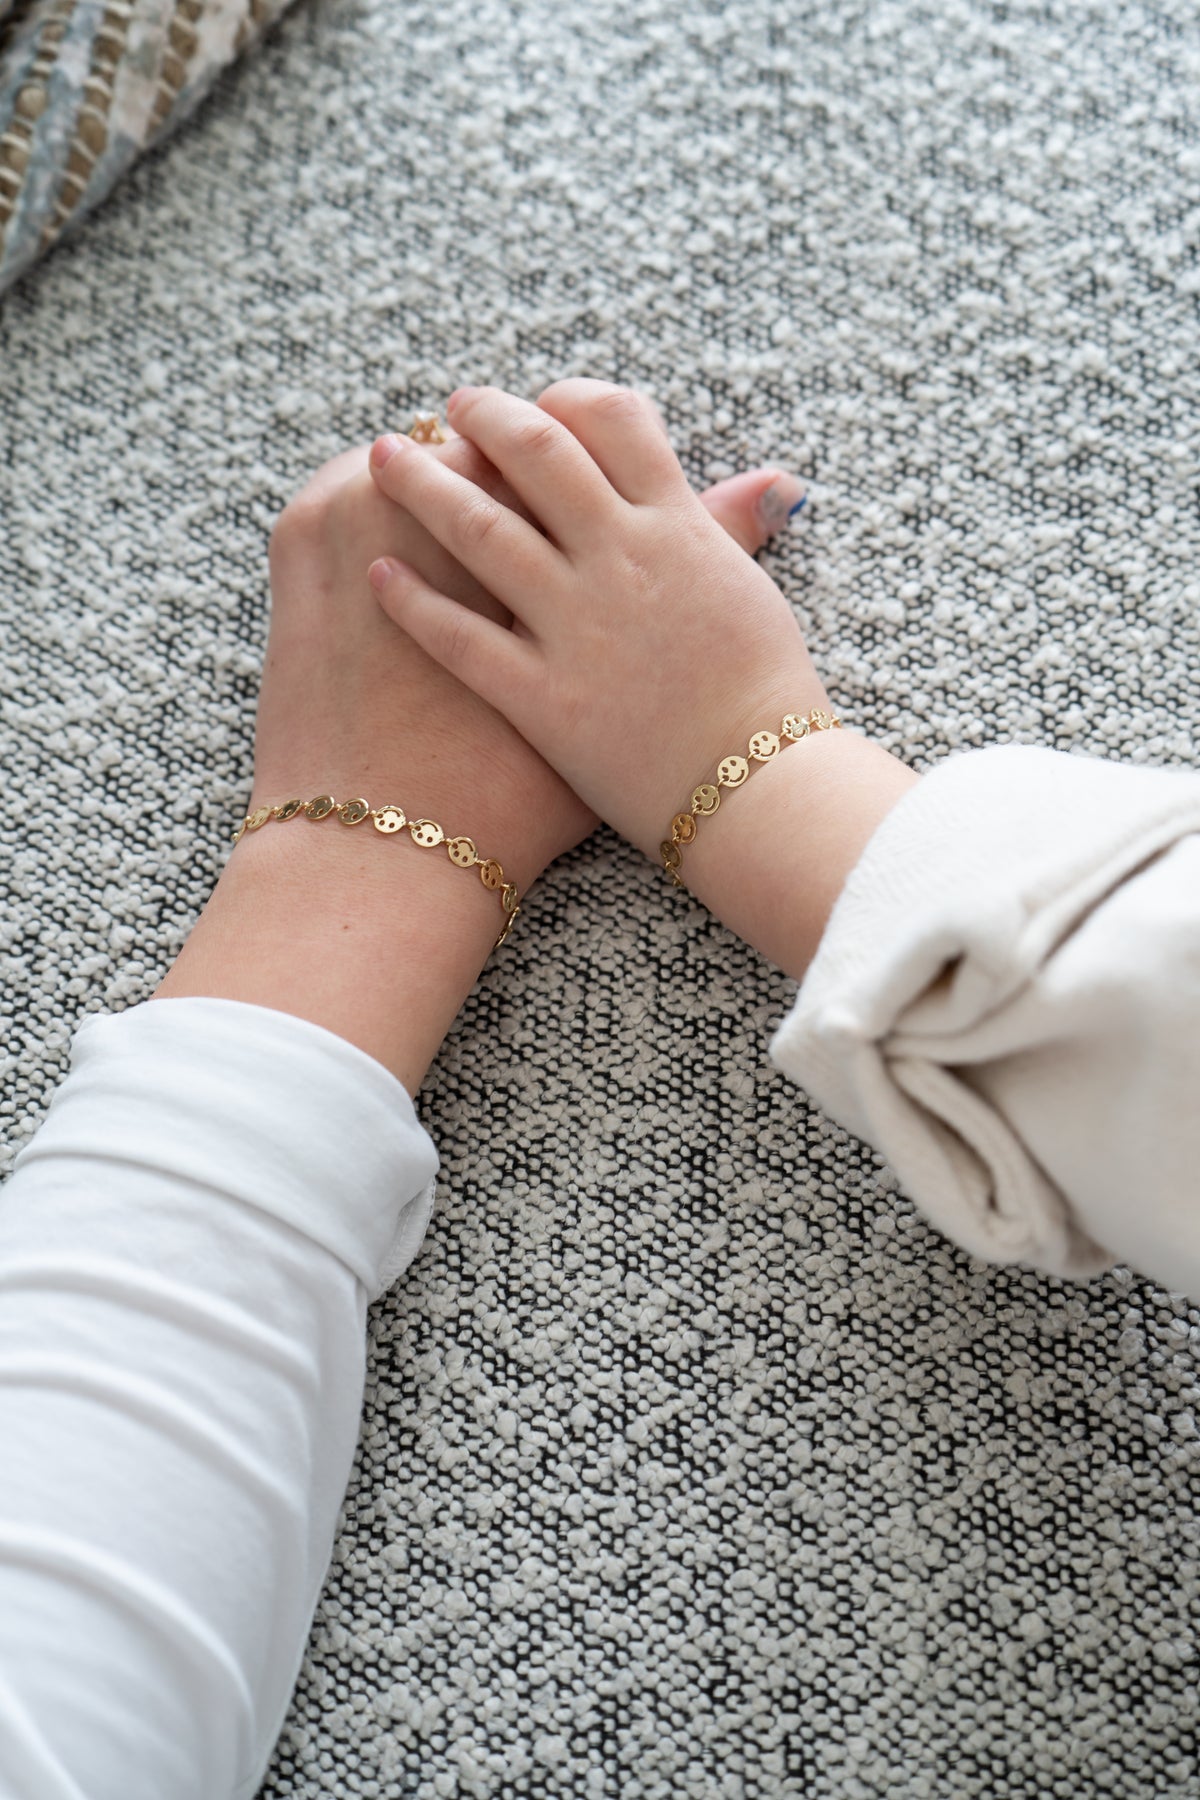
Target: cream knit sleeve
<point x="1006" y="1004"/>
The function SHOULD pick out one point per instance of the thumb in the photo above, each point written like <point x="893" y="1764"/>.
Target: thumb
<point x="753" y="506"/>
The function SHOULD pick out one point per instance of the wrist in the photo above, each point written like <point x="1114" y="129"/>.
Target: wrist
<point x="794" y="690"/>
<point x="379" y="942"/>
<point x="773" y="860"/>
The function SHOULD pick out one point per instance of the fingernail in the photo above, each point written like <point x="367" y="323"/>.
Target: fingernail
<point x="381" y="572"/>
<point x="383" y="450"/>
<point x="457" y="398"/>
<point x="780" y="502"/>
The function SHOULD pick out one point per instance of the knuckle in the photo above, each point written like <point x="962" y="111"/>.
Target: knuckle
<point x="640" y="581"/>
<point x="622" y="406"/>
<point x="536" y="436"/>
<point x="314" y="511"/>
<point x="457" y="638"/>
<point x="478" y="521"/>
<point x="299" y="525"/>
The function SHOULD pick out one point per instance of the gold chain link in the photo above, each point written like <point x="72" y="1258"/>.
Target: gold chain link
<point x="388" y="820"/>
<point x="732" y="771"/>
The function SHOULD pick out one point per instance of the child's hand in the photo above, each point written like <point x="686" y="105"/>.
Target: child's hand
<point x="646" y="644"/>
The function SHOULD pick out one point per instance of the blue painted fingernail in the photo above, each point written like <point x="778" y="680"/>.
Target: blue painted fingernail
<point x="778" y="502"/>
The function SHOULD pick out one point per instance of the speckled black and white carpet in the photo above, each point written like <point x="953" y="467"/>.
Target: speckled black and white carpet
<point x="694" y="1463"/>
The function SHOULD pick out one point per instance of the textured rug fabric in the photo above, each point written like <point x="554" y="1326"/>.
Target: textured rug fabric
<point x="694" y="1463"/>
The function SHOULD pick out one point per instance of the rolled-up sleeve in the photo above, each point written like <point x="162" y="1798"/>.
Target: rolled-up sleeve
<point x="1006" y="1004"/>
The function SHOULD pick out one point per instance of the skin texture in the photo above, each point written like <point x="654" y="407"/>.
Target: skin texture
<point x="644" y="647"/>
<point x="376" y="939"/>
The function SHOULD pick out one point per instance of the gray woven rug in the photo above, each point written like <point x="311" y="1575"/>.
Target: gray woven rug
<point x="694" y="1463"/>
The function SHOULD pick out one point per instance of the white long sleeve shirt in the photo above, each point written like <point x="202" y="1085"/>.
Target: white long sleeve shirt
<point x="187" y="1249"/>
<point x="1006" y="1002"/>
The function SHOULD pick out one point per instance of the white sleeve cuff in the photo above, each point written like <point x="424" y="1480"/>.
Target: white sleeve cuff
<point x="271" y="1110"/>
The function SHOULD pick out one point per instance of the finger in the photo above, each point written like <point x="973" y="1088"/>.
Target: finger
<point x="543" y="462"/>
<point x="483" y="655"/>
<point x="623" y="434"/>
<point x="505" y="554"/>
<point x="753" y="506"/>
<point x="461" y="455"/>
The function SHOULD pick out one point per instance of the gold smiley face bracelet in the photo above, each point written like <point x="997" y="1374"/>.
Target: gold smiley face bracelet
<point x="732" y="771"/>
<point x="388" y="821"/>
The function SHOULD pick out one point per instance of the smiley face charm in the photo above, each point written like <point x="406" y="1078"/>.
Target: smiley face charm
<point x="732" y="771"/>
<point x="321" y="807"/>
<point x="462" y="852"/>
<point x="764" y="745"/>
<point x="426" y="833"/>
<point x="683" y="828"/>
<point x="706" y="798"/>
<point x="796" y="726"/>
<point x="491" y="874"/>
<point x="353" y="812"/>
<point x="388" y="819"/>
<point x="258" y="818"/>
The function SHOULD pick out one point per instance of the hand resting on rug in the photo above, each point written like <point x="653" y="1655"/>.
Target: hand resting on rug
<point x="644" y="650"/>
<point x="351" y="705"/>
